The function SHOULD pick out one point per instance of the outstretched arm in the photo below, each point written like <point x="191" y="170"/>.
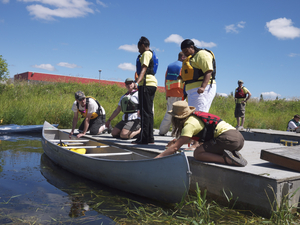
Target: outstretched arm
<point x="175" y="147"/>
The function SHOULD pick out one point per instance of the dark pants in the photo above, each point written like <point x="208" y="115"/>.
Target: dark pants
<point x="146" y="97"/>
<point x="94" y="125"/>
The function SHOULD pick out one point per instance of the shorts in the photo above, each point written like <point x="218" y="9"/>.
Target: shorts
<point x="239" y="110"/>
<point x="231" y="140"/>
<point x="131" y="125"/>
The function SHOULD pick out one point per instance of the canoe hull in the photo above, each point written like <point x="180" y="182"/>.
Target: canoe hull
<point x="165" y="179"/>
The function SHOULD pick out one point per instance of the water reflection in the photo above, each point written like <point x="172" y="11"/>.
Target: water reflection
<point x="85" y="196"/>
<point x="26" y="197"/>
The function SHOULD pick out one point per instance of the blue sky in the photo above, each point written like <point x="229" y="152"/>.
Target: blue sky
<point x="257" y="41"/>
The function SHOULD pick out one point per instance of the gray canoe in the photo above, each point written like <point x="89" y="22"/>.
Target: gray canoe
<point x="14" y="128"/>
<point x="165" y="179"/>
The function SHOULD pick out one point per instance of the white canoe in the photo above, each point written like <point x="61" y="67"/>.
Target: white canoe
<point x="164" y="179"/>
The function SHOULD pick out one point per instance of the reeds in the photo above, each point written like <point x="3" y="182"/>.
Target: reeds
<point x="32" y="103"/>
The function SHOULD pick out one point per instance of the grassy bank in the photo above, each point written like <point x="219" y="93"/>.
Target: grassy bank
<point x="33" y="103"/>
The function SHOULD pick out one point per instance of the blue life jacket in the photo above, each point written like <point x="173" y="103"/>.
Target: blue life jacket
<point x="153" y="65"/>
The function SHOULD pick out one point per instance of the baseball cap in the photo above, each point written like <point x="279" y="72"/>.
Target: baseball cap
<point x="129" y="80"/>
<point x="79" y="95"/>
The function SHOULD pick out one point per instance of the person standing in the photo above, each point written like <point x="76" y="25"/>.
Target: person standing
<point x="130" y="124"/>
<point x="174" y="91"/>
<point x="146" y="66"/>
<point x="198" y="74"/>
<point x="93" y="112"/>
<point x="242" y="95"/>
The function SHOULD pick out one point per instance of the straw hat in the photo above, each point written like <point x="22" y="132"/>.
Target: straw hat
<point x="181" y="109"/>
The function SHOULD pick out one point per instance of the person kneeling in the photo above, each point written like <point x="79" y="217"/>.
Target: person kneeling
<point x="221" y="141"/>
<point x="130" y="125"/>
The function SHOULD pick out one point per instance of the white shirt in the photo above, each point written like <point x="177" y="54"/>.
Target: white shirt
<point x="93" y="106"/>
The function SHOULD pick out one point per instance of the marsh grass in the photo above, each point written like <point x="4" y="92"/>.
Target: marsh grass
<point x="283" y="212"/>
<point x="32" y="103"/>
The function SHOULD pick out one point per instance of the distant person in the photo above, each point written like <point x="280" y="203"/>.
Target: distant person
<point x="242" y="95"/>
<point x="130" y="125"/>
<point x="93" y="112"/>
<point x="174" y="91"/>
<point x="221" y="141"/>
<point x="198" y="74"/>
<point x="146" y="66"/>
<point x="294" y="123"/>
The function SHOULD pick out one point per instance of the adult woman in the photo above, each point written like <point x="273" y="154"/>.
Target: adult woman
<point x="220" y="141"/>
<point x="198" y="74"/>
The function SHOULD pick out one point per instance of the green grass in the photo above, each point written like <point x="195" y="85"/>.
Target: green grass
<point x="32" y="103"/>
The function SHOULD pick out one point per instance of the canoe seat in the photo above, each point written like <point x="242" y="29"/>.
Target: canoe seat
<point x="108" y="154"/>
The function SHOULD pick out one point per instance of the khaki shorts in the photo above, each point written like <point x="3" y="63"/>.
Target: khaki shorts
<point x="131" y="125"/>
<point x="231" y="140"/>
<point x="239" y="110"/>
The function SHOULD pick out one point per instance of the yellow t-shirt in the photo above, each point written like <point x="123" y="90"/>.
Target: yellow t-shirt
<point x="145" y="60"/>
<point x="202" y="60"/>
<point x="194" y="125"/>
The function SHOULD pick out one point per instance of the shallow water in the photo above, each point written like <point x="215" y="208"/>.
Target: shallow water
<point x="34" y="190"/>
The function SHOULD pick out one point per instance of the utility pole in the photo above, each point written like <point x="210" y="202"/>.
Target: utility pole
<point x="100" y="74"/>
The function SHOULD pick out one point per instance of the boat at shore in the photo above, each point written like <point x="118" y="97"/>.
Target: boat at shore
<point x="16" y="129"/>
<point x="165" y="179"/>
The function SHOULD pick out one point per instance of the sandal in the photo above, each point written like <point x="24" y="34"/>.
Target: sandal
<point x="236" y="158"/>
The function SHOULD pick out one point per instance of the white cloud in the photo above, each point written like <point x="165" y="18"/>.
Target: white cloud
<point x="129" y="48"/>
<point x="175" y="38"/>
<point x="232" y="28"/>
<point x="127" y="66"/>
<point x="202" y="44"/>
<point x="294" y="54"/>
<point x="68" y="65"/>
<point x="5" y="1"/>
<point x="48" y="9"/>
<point x="283" y="28"/>
<point x="270" y="95"/>
<point x="223" y="94"/>
<point x="101" y="3"/>
<point x="48" y="67"/>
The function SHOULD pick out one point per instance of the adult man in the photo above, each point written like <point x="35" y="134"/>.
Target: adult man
<point x="293" y="123"/>
<point x="146" y="68"/>
<point x="242" y="95"/>
<point x="198" y="74"/>
<point x="130" y="124"/>
<point x="174" y="91"/>
<point x="221" y="141"/>
<point x="93" y="112"/>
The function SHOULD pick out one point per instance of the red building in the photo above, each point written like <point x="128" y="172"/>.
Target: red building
<point x="34" y="76"/>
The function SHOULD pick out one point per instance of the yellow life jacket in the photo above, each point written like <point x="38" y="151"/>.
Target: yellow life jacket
<point x="77" y="150"/>
<point x="94" y="114"/>
<point x="191" y="74"/>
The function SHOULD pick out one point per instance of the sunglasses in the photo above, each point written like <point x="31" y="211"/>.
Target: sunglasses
<point x="128" y="83"/>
